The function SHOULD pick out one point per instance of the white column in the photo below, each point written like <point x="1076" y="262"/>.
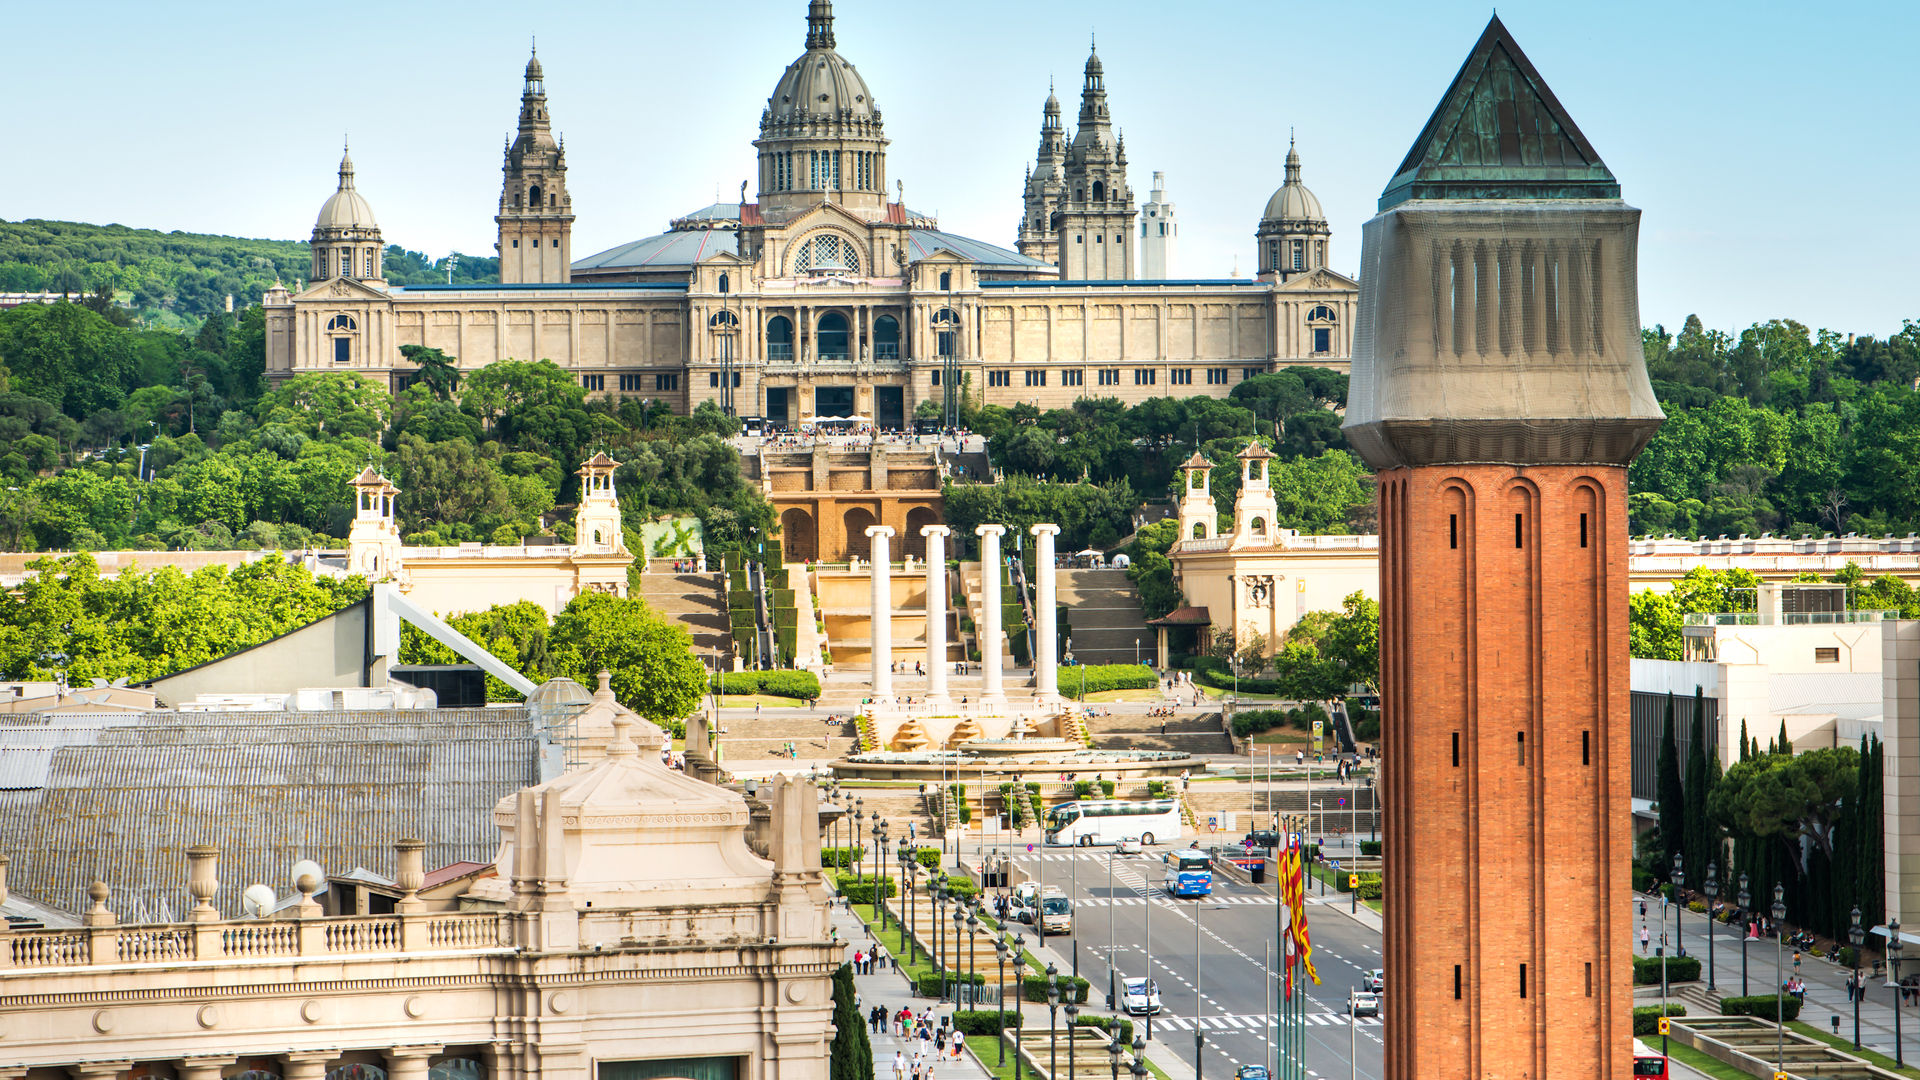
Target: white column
<point x="1046" y="688"/>
<point x="879" y="574"/>
<point x="936" y="611"/>
<point x="989" y="631"/>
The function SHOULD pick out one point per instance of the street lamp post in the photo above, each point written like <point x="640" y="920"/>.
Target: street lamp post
<point x="937" y="894"/>
<point x="1679" y="906"/>
<point x="1664" y="952"/>
<point x="1139" y="1066"/>
<point x="1112" y="902"/>
<point x="1073" y="1025"/>
<point x="1894" y="946"/>
<point x="1857" y="936"/>
<point x="973" y="933"/>
<point x="1113" y="1048"/>
<point x="1746" y="901"/>
<point x="953" y="948"/>
<point x="906" y="897"/>
<point x="1000" y="952"/>
<point x="1779" y="983"/>
<point x="1199" y="971"/>
<point x="879" y="886"/>
<point x="1018" y="954"/>
<point x="1712" y="890"/>
<point x="1053" y="1020"/>
<point x="1073" y="889"/>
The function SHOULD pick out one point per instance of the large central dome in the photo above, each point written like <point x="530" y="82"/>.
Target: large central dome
<point x="820" y="136"/>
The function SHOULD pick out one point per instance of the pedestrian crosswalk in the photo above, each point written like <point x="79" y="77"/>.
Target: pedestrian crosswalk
<point x="1255" y="1023"/>
<point x="1140" y="901"/>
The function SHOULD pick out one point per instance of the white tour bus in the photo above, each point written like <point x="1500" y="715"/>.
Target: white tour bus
<point x="1103" y="821"/>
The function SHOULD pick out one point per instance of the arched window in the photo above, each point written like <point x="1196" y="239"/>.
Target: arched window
<point x="1199" y="530"/>
<point x="342" y="323"/>
<point x="886" y="338"/>
<point x="1320" y="313"/>
<point x="1322" y="316"/>
<point x="946" y="330"/>
<point x="1196" y="479"/>
<point x="1259" y="526"/>
<point x="1253" y="469"/>
<point x="725" y="321"/>
<point x="946" y="280"/>
<point x="1099" y="191"/>
<point x="830" y="336"/>
<point x="826" y="254"/>
<point x="726" y="285"/>
<point x="780" y="338"/>
<point x="553" y="200"/>
<point x="533" y="197"/>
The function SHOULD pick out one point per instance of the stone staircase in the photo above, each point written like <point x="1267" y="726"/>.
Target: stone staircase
<point x="755" y="738"/>
<point x="1134" y="731"/>
<point x="1103" y="609"/>
<point x="1326" y="812"/>
<point x="697" y="602"/>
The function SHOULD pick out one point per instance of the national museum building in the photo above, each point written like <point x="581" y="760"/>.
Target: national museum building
<point x="828" y="296"/>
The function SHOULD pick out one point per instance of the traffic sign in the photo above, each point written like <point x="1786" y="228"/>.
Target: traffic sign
<point x="1781" y="1076"/>
<point x="1353" y="881"/>
<point x="1664" y="1022"/>
<point x="1336" y="864"/>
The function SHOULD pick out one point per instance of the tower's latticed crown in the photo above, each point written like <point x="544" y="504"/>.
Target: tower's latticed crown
<point x="1499" y="304"/>
<point x="821" y="136"/>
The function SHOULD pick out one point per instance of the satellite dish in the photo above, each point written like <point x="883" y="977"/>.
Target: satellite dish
<point x="257" y="900"/>
<point x="308" y="869"/>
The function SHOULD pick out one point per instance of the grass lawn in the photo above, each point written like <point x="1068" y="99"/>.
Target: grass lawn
<point x="987" y="1049"/>
<point x="748" y="701"/>
<point x="1332" y="878"/>
<point x="1697" y="1060"/>
<point x="1113" y="695"/>
<point x="1845" y="1044"/>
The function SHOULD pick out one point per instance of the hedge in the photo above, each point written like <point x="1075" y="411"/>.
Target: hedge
<point x="1096" y="678"/>
<point x="837" y="856"/>
<point x="1250" y="721"/>
<point x="1761" y="1005"/>
<point x="962" y="888"/>
<point x="799" y="685"/>
<point x="1369" y="847"/>
<point x="928" y="857"/>
<point x="1106" y="788"/>
<point x="980" y="1021"/>
<point x="1083" y="789"/>
<point x="1156" y="788"/>
<point x="928" y="983"/>
<point x="1646" y="1018"/>
<point x="859" y="890"/>
<point x="1126" y="1025"/>
<point x="1646" y="969"/>
<point x="1034" y="988"/>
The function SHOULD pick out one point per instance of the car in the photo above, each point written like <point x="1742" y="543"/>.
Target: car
<point x="1140" y="997"/>
<point x="1364" y="1003"/>
<point x="1127" y="845"/>
<point x="1374" y="981"/>
<point x="1262" y="838"/>
<point x="1250" y="1072"/>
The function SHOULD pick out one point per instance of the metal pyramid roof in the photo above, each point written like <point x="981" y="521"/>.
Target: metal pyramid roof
<point x="1499" y="133"/>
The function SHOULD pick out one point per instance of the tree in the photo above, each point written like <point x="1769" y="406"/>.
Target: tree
<point x="851" y="1056"/>
<point x="1353" y="640"/>
<point x="438" y="372"/>
<point x="654" y="670"/>
<point x="1701" y="846"/>
<point x="328" y="403"/>
<point x="1787" y="798"/>
<point x="1672" y="794"/>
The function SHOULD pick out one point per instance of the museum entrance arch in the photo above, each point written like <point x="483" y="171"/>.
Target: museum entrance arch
<point x="798" y="537"/>
<point x="858" y="520"/>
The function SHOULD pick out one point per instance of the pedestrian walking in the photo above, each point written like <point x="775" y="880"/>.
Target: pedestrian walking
<point x="860" y="957"/>
<point x="899" y="1065"/>
<point x="1852" y="976"/>
<point x="1796" y="960"/>
<point x="1643" y="937"/>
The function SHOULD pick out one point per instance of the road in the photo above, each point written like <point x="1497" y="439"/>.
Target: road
<point x="1225" y="984"/>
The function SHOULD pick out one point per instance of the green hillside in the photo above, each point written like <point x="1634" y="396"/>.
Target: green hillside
<point x="188" y="275"/>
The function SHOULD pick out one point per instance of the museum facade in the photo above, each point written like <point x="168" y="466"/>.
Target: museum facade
<point x="826" y="295"/>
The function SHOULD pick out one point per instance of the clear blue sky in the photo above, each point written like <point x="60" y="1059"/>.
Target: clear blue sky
<point x="1770" y="144"/>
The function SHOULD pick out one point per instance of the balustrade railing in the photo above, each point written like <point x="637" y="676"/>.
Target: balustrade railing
<point x="252" y="939"/>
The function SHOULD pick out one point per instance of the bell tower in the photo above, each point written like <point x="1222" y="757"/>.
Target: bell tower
<point x="1254" y="507"/>
<point x="536" y="213"/>
<point x="373" y="542"/>
<point x="1500" y="392"/>
<point x="1041" y="199"/>
<point x="597" y="527"/>
<point x="1198" y="519"/>
<point x="1094" y="226"/>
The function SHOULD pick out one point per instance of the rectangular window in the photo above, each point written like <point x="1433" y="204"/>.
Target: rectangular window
<point x="1101" y="239"/>
<point x="1076" y="238"/>
<point x="343" y="350"/>
<point x="1453" y="534"/>
<point x="346" y="264"/>
<point x="1518" y="524"/>
<point x="999" y="378"/>
<point x="936" y="378"/>
<point x="1456" y="982"/>
<point x="1109" y="376"/>
<point x="1827" y="655"/>
<point x="1521" y="738"/>
<point x="1144" y="376"/>
<point x="556" y="243"/>
<point x="1248" y="373"/>
<point x="1180" y="376"/>
<point x="594" y="383"/>
<point x="516" y="243"/>
<point x="1586" y="747"/>
<point x="1322" y="340"/>
<point x="630" y="384"/>
<point x="1590" y="978"/>
<point x="666" y="382"/>
<point x="713" y="378"/>
<point x="1073" y="378"/>
<point x="1523" y="981"/>
<point x="1036" y="378"/>
<point x="1583" y="543"/>
<point x="1299" y="254"/>
<point x="1456" y="749"/>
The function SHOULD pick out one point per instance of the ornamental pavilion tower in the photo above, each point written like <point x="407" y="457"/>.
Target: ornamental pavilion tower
<point x="1499" y="390"/>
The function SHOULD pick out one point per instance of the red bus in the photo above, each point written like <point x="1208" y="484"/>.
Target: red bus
<point x="1648" y="1062"/>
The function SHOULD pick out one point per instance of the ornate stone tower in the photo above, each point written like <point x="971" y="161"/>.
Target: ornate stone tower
<point x="1038" y="238"/>
<point x="1254" y="507"/>
<point x="1159" y="233"/>
<point x="821" y="139"/>
<point x="597" y="526"/>
<point x="1095" y="223"/>
<point x="346" y="239"/>
<point x="1498" y="387"/>
<point x="1293" y="237"/>
<point x="373" y="542"/>
<point x="536" y="216"/>
<point x="536" y="213"/>
<point x="1198" y="518"/>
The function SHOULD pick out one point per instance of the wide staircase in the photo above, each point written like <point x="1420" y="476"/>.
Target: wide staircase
<point x="755" y="738"/>
<point x="1103" y="610"/>
<point x="697" y="602"/>
<point x="1135" y="731"/>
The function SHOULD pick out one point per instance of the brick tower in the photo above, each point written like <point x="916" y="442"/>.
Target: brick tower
<point x="1498" y="387"/>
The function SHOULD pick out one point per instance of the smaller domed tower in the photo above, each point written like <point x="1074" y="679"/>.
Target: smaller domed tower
<point x="1254" y="508"/>
<point x="346" y="239"/>
<point x="1198" y="518"/>
<point x="1293" y="237"/>
<point x="597" y="527"/>
<point x="536" y="213"/>
<point x="373" y="543"/>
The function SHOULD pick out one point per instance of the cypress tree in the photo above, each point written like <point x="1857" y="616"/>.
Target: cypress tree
<point x="851" y="1056"/>
<point x="1870" y="862"/>
<point x="1673" y="798"/>
<point x="1744" y="752"/>
<point x="1785" y="745"/>
<point x="1699" y="829"/>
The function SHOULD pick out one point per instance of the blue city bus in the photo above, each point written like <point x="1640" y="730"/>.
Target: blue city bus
<point x="1189" y="873"/>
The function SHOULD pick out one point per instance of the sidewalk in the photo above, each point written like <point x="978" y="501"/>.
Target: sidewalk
<point x="889" y="988"/>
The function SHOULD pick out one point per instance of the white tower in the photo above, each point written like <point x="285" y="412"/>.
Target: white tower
<point x="1159" y="232"/>
<point x="373" y="543"/>
<point x="1254" y="508"/>
<point x="597" y="527"/>
<point x="1198" y="519"/>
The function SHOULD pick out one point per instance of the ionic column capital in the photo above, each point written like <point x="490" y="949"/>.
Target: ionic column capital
<point x="879" y="530"/>
<point x="1045" y="530"/>
<point x="990" y="530"/>
<point x="935" y="530"/>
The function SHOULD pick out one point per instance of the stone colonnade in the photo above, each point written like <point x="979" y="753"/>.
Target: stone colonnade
<point x="936" y="536"/>
<point x="881" y="575"/>
<point x="990" y="629"/>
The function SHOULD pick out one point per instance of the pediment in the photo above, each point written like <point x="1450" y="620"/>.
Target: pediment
<point x="827" y="214"/>
<point x="1319" y="280"/>
<point x="341" y="289"/>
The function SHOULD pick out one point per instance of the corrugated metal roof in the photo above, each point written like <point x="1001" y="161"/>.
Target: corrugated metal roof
<point x="663" y="251"/>
<point x="924" y="242"/>
<point x="27" y="743"/>
<point x="685" y="247"/>
<point x="122" y="804"/>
